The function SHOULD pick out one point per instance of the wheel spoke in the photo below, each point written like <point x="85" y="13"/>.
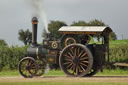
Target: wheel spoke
<point x="80" y="53"/>
<point x="41" y="67"/>
<point x="67" y="63"/>
<point x="70" y="54"/>
<point x="71" y="51"/>
<point x="32" y="63"/>
<point x="83" y="55"/>
<point x="67" y="56"/>
<point x="77" y="69"/>
<point x="82" y="67"/>
<point x="75" y="52"/>
<point x="73" y="68"/>
<point x="32" y="67"/>
<point x="68" y="60"/>
<point x="83" y="58"/>
<point x="85" y="61"/>
<point x="29" y="62"/>
<point x="83" y="64"/>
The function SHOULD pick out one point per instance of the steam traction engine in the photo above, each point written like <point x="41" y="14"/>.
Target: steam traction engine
<point x="74" y="58"/>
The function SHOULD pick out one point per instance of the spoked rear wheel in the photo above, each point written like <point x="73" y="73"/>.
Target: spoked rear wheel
<point x="76" y="60"/>
<point x="28" y="67"/>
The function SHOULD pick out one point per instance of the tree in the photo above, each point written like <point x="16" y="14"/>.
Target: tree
<point x="79" y="23"/>
<point x="53" y="27"/>
<point x="23" y="35"/>
<point x="112" y="36"/>
<point x="3" y="43"/>
<point x="96" y="22"/>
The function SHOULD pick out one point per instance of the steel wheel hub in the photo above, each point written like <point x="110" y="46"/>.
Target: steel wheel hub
<point x="75" y="60"/>
<point x="27" y="67"/>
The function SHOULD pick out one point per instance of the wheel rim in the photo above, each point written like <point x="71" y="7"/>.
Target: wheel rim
<point x="27" y="67"/>
<point x="41" y="67"/>
<point x="67" y="37"/>
<point x="69" y="41"/>
<point x="76" y="60"/>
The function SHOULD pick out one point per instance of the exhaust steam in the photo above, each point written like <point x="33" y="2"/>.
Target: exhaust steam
<point x="39" y="11"/>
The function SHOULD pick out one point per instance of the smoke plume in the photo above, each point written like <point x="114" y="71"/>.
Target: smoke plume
<point x="38" y="10"/>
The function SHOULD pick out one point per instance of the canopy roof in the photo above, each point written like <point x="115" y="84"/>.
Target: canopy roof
<point x="85" y="30"/>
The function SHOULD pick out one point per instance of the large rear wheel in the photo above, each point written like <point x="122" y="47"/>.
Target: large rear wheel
<point x="76" y="60"/>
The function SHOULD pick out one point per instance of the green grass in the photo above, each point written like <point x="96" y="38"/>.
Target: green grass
<point x="112" y="72"/>
<point x="119" y="41"/>
<point x="16" y="73"/>
<point x="115" y="43"/>
<point x="106" y="72"/>
<point x="9" y="73"/>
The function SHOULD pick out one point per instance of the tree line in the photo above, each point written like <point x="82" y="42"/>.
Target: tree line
<point x="53" y="27"/>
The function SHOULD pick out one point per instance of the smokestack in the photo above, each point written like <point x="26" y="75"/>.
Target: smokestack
<point x="34" y="30"/>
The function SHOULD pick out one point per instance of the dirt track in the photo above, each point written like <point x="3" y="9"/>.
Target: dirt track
<point x="85" y="79"/>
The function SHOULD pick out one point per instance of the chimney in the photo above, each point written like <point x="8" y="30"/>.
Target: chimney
<point x="34" y="30"/>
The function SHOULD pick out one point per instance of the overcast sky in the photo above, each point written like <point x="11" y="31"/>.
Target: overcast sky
<point x="17" y="14"/>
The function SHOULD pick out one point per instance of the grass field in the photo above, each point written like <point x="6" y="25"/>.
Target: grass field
<point x="106" y="72"/>
<point x="125" y="41"/>
<point x="115" y="43"/>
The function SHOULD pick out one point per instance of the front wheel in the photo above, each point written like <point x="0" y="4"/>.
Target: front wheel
<point x="28" y="67"/>
<point x="41" y="67"/>
<point x="76" y="60"/>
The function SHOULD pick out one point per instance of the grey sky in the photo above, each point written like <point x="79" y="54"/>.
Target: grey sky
<point x="17" y="14"/>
